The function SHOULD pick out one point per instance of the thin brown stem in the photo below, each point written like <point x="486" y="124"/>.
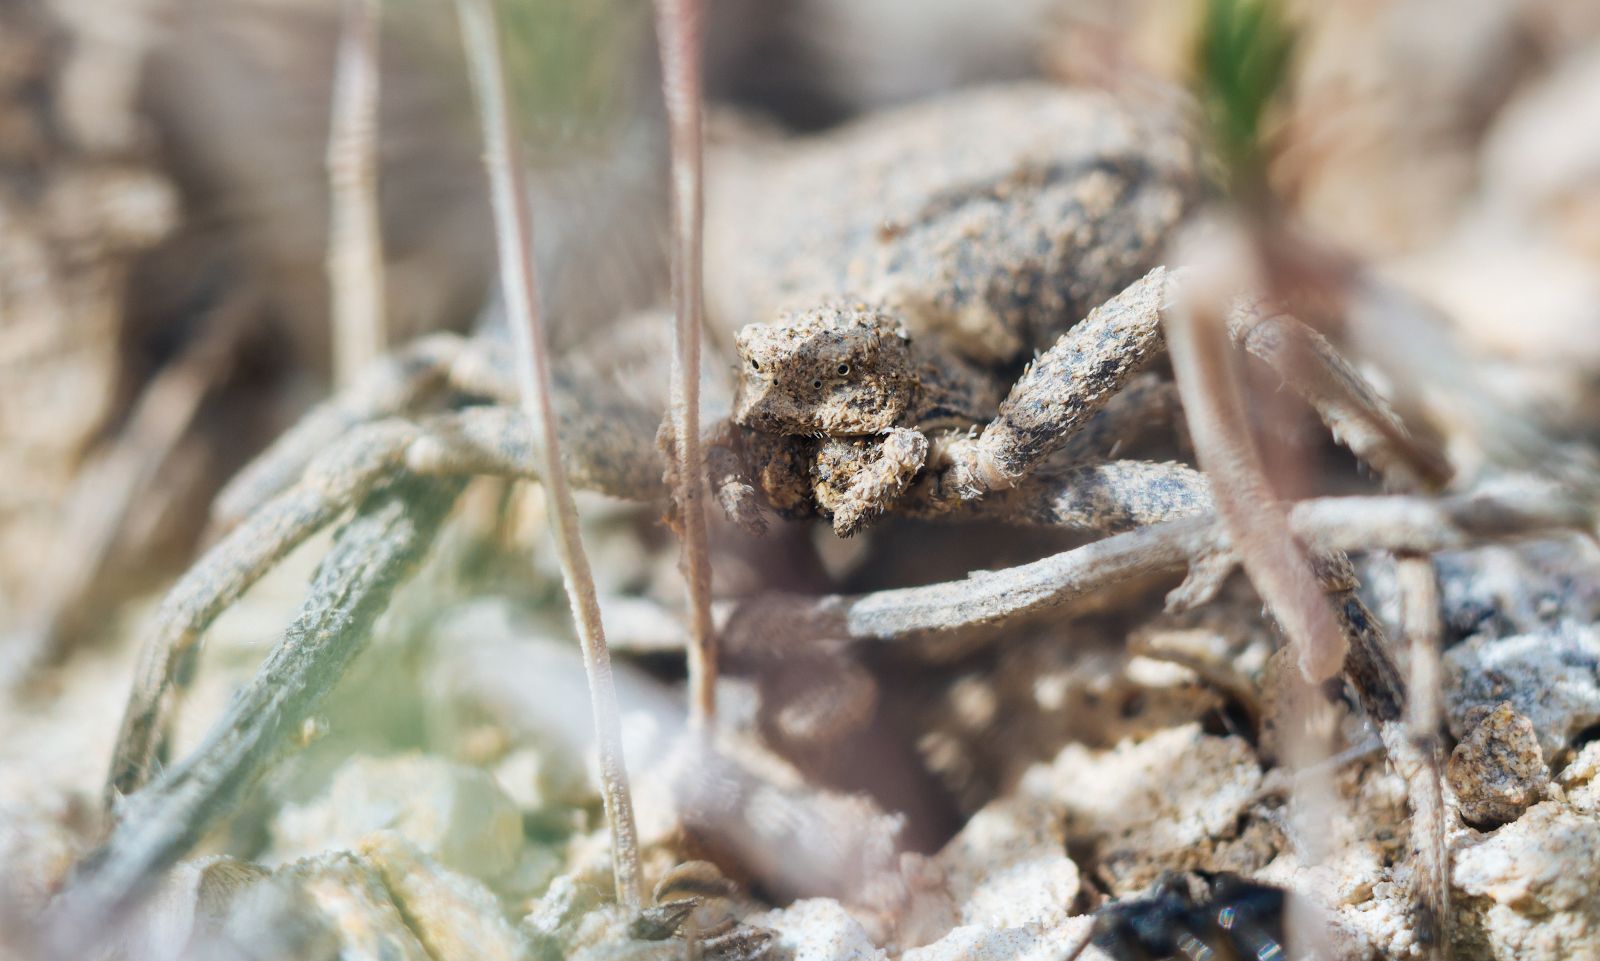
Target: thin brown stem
<point x="514" y="233"/>
<point x="355" y="228"/>
<point x="1202" y="364"/>
<point x="107" y="488"/>
<point x="1419" y="612"/>
<point x="678" y="30"/>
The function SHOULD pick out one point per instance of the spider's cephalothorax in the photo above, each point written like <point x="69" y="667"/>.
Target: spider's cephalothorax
<point x="841" y="371"/>
<point x="835" y="403"/>
<point x="841" y="412"/>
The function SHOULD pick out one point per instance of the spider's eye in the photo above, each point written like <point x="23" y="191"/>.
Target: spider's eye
<point x="816" y="384"/>
<point x="755" y="364"/>
<point x="844" y="370"/>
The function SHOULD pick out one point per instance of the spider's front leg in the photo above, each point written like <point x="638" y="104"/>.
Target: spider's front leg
<point x="1059" y="392"/>
<point x="388" y="387"/>
<point x="608" y="448"/>
<point x="1104" y="498"/>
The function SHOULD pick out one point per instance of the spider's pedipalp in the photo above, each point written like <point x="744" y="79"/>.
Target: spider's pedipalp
<point x="856" y="478"/>
<point x="731" y="486"/>
<point x="330" y="484"/>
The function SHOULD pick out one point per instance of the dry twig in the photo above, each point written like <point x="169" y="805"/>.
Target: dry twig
<point x="678" y="30"/>
<point x="514" y="233"/>
<point x="1419" y="612"/>
<point x="355" y="228"/>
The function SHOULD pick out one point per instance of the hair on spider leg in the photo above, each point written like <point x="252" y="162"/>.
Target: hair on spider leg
<point x="1196" y="917"/>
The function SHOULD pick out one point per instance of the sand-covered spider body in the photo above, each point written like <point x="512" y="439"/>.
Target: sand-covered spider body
<point x="945" y="312"/>
<point x="907" y="269"/>
<point x="842" y="411"/>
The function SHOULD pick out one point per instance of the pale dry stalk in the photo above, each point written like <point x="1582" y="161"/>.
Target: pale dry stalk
<point x="1208" y="385"/>
<point x="678" y="31"/>
<point x="107" y="488"/>
<point x="1202" y="365"/>
<point x="1419" y="625"/>
<point x="355" y="228"/>
<point x="514" y="234"/>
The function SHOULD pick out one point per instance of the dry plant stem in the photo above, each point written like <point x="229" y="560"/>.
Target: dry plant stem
<point x="105" y="490"/>
<point x="355" y="230"/>
<point x="514" y="234"/>
<point x="1201" y="362"/>
<point x="371" y="556"/>
<point x="678" y="29"/>
<point x="1419" y="612"/>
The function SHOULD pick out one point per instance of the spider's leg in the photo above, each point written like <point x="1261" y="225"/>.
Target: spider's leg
<point x="1105" y="498"/>
<point x="728" y="480"/>
<point x="856" y="478"/>
<point x="388" y="387"/>
<point x="1357" y="415"/>
<point x="1145" y="404"/>
<point x="332" y="482"/>
<point x="371" y="555"/>
<point x="1065" y="386"/>
<point x="607" y="444"/>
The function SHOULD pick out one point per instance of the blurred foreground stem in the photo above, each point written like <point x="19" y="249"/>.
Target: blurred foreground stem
<point x="678" y="29"/>
<point x="355" y="228"/>
<point x="514" y="233"/>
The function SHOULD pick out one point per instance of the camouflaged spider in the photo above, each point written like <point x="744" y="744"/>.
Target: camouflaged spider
<point x="929" y="251"/>
<point x="841" y="411"/>
<point x="903" y="271"/>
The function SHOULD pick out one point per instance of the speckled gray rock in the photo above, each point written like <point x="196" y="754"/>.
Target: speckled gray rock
<point x="1498" y="771"/>
<point x="997" y="216"/>
<point x="453" y="813"/>
<point x="1551" y="677"/>
<point x="1503" y="591"/>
